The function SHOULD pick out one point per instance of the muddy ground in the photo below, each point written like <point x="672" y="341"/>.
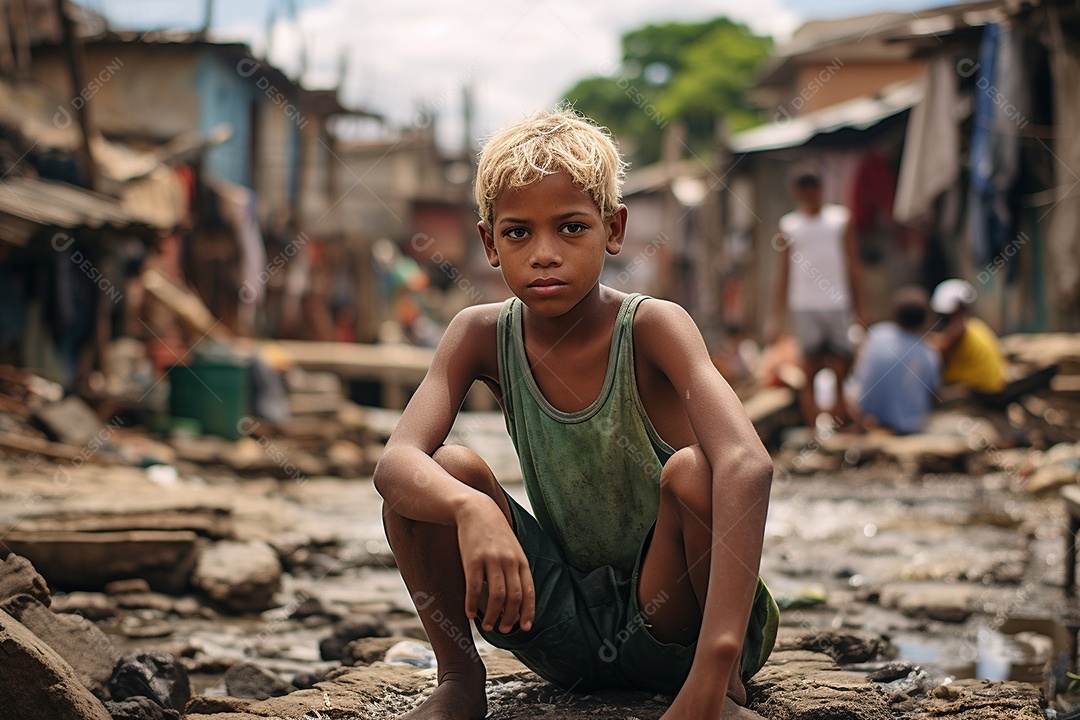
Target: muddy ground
<point x="961" y="574"/>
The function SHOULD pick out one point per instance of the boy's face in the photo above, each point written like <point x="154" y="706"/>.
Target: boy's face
<point x="549" y="240"/>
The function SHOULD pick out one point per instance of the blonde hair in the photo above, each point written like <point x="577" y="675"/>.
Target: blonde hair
<point x="544" y="144"/>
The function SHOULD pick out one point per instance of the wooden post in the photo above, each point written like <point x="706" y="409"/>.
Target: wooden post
<point x="20" y="25"/>
<point x="7" y="56"/>
<point x="76" y="60"/>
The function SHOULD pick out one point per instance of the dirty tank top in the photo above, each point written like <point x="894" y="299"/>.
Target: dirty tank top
<point x="592" y="476"/>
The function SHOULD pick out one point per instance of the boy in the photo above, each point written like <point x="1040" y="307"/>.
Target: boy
<point x="819" y="281"/>
<point x="648" y="482"/>
<point x="897" y="372"/>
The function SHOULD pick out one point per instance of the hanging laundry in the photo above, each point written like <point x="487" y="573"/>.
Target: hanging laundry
<point x="931" y="160"/>
<point x="238" y="207"/>
<point x="1001" y="98"/>
<point x="872" y="189"/>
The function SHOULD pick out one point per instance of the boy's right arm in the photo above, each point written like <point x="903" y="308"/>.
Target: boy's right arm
<point x="416" y="487"/>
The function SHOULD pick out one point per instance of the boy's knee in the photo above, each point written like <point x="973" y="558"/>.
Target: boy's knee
<point x="466" y="466"/>
<point x="687" y="478"/>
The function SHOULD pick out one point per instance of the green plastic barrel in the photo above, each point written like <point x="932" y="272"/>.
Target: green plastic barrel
<point x="212" y="392"/>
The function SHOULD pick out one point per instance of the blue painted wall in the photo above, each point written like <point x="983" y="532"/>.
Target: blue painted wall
<point x="225" y="96"/>
<point x="228" y="91"/>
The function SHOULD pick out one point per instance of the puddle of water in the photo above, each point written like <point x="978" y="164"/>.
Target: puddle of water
<point x="993" y="656"/>
<point x="918" y="651"/>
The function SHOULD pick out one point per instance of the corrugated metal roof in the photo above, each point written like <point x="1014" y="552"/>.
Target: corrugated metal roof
<point x="858" y="114"/>
<point x="55" y="204"/>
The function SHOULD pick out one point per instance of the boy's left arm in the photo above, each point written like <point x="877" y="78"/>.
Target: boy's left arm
<point x="741" y="475"/>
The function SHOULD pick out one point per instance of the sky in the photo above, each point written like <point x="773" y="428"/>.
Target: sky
<point x="401" y="55"/>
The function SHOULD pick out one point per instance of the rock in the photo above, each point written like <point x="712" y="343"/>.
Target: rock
<point x="247" y="456"/>
<point x="143" y="629"/>
<point x="843" y="646"/>
<point x="349" y="629"/>
<point x="139" y="708"/>
<point x="143" y="451"/>
<point x="948" y="602"/>
<point x="928" y="453"/>
<point x="78" y="641"/>
<point x="242" y="576"/>
<point x="887" y="672"/>
<point x="1051" y="477"/>
<point x="355" y="692"/>
<point x="351" y="415"/>
<point x="128" y="585"/>
<point x="89" y="560"/>
<point x="307" y="679"/>
<point x="201" y="704"/>
<point x="248" y="680"/>
<point x="367" y="650"/>
<point x="373" y="452"/>
<point x="18" y="577"/>
<point x="381" y="691"/>
<point x="974" y="700"/>
<point x="309" y="607"/>
<point x="37" y="683"/>
<point x="203" y="450"/>
<point x="345" y="458"/>
<point x="72" y="421"/>
<point x="155" y="675"/>
<point x="91" y="605"/>
<point x="188" y="607"/>
<point x="162" y="511"/>
<point x="802" y="685"/>
<point x="146" y="600"/>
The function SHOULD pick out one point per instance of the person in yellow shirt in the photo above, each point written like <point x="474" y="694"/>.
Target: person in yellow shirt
<point x="969" y="348"/>
<point x="970" y="352"/>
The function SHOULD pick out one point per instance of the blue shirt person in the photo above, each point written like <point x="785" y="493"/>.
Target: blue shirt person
<point x="897" y="372"/>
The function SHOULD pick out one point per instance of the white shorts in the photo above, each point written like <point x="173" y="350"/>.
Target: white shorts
<point x="821" y="332"/>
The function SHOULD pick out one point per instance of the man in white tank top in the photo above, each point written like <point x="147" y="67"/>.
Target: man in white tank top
<point x="819" y="281"/>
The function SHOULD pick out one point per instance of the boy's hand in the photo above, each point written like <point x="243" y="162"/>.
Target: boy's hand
<point x="491" y="556"/>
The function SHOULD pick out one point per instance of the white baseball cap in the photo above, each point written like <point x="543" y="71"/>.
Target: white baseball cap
<point x="951" y="295"/>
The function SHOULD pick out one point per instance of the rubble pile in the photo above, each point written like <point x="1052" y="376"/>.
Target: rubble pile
<point x="323" y="432"/>
<point x="66" y="667"/>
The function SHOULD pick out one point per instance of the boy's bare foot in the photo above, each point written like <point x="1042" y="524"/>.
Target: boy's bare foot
<point x="456" y="698"/>
<point x="736" y="690"/>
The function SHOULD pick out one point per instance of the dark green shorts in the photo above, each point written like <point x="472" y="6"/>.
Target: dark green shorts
<point x="589" y="632"/>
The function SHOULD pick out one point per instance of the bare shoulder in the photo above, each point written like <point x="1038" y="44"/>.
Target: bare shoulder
<point x="661" y="325"/>
<point x="477" y="318"/>
<point x="470" y="340"/>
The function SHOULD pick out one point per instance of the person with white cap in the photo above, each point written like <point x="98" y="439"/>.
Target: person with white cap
<point x="969" y="348"/>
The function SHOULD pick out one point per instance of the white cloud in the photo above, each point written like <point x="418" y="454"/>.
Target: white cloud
<point x="518" y="55"/>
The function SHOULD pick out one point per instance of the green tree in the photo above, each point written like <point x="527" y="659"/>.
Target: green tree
<point x="694" y="73"/>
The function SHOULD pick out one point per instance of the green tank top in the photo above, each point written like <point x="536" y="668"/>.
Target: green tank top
<point x="592" y="476"/>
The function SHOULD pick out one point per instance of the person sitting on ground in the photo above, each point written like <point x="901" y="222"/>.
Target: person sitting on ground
<point x="635" y="453"/>
<point x="969" y="348"/>
<point x="897" y="372"/>
<point x="819" y="281"/>
<point x="972" y="354"/>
